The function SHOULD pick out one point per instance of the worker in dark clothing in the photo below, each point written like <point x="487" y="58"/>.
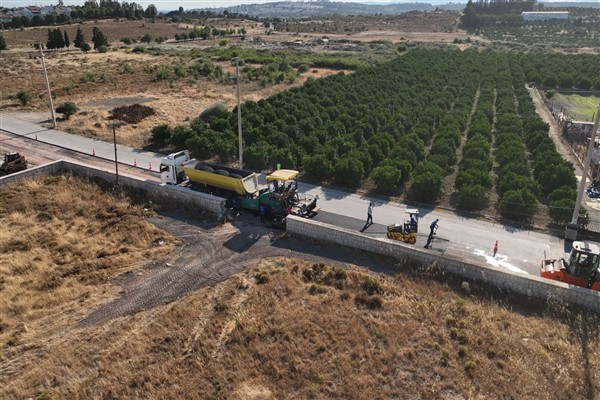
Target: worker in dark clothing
<point x="235" y="207"/>
<point x="429" y="240"/>
<point x="433" y="227"/>
<point x="262" y="210"/>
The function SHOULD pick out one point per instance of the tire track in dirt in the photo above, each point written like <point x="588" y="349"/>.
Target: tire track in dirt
<point x="204" y="258"/>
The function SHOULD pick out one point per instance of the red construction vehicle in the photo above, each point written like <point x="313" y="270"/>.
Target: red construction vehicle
<point x="581" y="269"/>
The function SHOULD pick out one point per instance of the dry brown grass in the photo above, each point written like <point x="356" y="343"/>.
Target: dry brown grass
<point x="61" y="241"/>
<point x="280" y="331"/>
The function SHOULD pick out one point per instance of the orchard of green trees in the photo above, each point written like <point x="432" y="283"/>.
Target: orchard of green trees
<point x="407" y="123"/>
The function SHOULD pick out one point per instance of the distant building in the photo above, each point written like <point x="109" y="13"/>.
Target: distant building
<point x="544" y="15"/>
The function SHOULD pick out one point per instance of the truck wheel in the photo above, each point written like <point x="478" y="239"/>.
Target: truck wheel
<point x="221" y="172"/>
<point x="205" y="168"/>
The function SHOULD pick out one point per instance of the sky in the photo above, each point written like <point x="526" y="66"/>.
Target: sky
<point x="191" y="4"/>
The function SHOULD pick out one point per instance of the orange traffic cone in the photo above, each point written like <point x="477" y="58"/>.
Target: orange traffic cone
<point x="94" y="152"/>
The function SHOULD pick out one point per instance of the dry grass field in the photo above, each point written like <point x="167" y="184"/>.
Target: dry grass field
<point x="281" y="329"/>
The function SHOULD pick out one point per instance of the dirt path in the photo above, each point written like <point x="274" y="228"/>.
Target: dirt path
<point x="561" y="145"/>
<point x="209" y="254"/>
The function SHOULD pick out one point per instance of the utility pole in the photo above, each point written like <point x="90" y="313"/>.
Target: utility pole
<point x="40" y="46"/>
<point x="116" y="162"/>
<point x="239" y="110"/>
<point x="573" y="227"/>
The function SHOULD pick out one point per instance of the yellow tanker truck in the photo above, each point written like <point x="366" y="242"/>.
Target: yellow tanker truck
<point x="275" y="201"/>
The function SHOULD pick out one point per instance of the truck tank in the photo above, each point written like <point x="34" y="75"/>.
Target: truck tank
<point x="240" y="181"/>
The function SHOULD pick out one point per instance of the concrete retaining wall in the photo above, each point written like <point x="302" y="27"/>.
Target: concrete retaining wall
<point x="175" y="196"/>
<point x="529" y="285"/>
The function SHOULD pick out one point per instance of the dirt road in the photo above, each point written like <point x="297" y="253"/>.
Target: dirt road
<point x="210" y="253"/>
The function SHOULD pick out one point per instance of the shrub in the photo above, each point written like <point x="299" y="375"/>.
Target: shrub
<point x="261" y="278"/>
<point x="161" y="135"/>
<point x="102" y="49"/>
<point x="215" y="111"/>
<point x="139" y="49"/>
<point x="23" y="97"/>
<point x="428" y="183"/>
<point x="127" y="40"/>
<point x="518" y="204"/>
<point x="386" y="178"/>
<point x="303" y="68"/>
<point x="85" y="47"/>
<point x="472" y="197"/>
<point x="256" y="156"/>
<point x="372" y="286"/>
<point x="371" y="302"/>
<point x="348" y="171"/>
<point x="67" y="109"/>
<point x="318" y="167"/>
<point x="561" y="210"/>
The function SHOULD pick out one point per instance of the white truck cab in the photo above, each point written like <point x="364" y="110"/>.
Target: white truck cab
<point x="171" y="167"/>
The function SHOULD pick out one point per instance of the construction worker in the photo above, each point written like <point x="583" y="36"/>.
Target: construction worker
<point x="370" y="214"/>
<point x="433" y="227"/>
<point x="429" y="240"/>
<point x="495" y="249"/>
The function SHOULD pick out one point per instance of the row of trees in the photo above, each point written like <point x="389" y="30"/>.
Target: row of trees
<point x="60" y="40"/>
<point x="380" y="121"/>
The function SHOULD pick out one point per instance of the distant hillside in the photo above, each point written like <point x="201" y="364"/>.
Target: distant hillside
<point x="289" y="9"/>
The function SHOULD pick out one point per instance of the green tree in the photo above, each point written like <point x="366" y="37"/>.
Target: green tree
<point x="151" y="11"/>
<point x="147" y="38"/>
<point x="66" y="40"/>
<point x="79" y="39"/>
<point x="472" y="197"/>
<point x="256" y="156"/>
<point x="85" y="47"/>
<point x="561" y="210"/>
<point x="518" y="204"/>
<point x="348" y="171"/>
<point x="98" y="38"/>
<point x="2" y="43"/>
<point x="428" y="183"/>
<point x="67" y="109"/>
<point x="318" y="167"/>
<point x="161" y="135"/>
<point x="386" y="178"/>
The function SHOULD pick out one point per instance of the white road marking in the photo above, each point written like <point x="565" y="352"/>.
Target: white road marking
<point x="499" y="261"/>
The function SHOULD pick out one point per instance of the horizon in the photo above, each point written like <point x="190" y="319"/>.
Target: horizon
<point x="167" y="5"/>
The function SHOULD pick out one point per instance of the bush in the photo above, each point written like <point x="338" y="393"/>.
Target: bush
<point x="139" y="49"/>
<point x="215" y="111"/>
<point x="561" y="210"/>
<point x="318" y="167"/>
<point x="67" y="109"/>
<point x="127" y="40"/>
<point x="102" y="49"/>
<point x="428" y="183"/>
<point x="161" y="135"/>
<point x="256" y="156"/>
<point x="23" y="97"/>
<point x="348" y="172"/>
<point x="472" y="197"/>
<point x="371" y="302"/>
<point x="372" y="286"/>
<point x="85" y="47"/>
<point x="386" y="178"/>
<point x="518" y="204"/>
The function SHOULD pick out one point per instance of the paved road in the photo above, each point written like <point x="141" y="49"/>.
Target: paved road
<point x="520" y="250"/>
